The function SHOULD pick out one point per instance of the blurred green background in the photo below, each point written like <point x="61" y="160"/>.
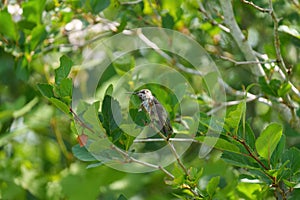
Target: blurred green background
<point x="36" y="160"/>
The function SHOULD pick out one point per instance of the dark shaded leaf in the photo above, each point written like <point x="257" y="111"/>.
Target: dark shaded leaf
<point x="111" y="112"/>
<point x="239" y="160"/>
<point x="168" y="21"/>
<point x="277" y="154"/>
<point x="293" y="155"/>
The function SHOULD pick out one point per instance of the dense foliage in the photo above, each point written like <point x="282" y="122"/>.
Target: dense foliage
<point x="64" y="130"/>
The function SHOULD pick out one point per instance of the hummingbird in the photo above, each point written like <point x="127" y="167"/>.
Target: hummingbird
<point x="156" y="112"/>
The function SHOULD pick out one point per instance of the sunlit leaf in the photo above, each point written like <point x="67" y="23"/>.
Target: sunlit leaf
<point x="268" y="140"/>
<point x="213" y="185"/>
<point x="8" y="27"/>
<point x="234" y="117"/>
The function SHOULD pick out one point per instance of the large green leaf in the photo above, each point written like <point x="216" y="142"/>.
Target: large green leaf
<point x="268" y="140"/>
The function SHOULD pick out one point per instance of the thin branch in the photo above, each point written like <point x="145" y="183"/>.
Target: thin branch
<point x="88" y="42"/>
<point x="239" y="37"/>
<point x="247" y="62"/>
<point x="296" y="4"/>
<point x="131" y="2"/>
<point x="277" y="41"/>
<point x="250" y="98"/>
<point x="81" y="123"/>
<point x="173" y="150"/>
<point x="210" y="19"/>
<point x="165" y="55"/>
<point x="256" y="6"/>
<point x="142" y="140"/>
<point x="282" y="70"/>
<point x="131" y="159"/>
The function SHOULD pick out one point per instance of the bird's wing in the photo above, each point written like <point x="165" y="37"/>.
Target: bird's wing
<point x="161" y="116"/>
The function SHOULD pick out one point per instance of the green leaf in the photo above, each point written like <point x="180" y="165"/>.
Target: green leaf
<point x="88" y="113"/>
<point x="46" y="90"/>
<point x="240" y="160"/>
<point x="293" y="155"/>
<point x="278" y="152"/>
<point x="38" y="35"/>
<point x="298" y="112"/>
<point x="8" y="27"/>
<point x="64" y="69"/>
<point x="124" y="63"/>
<point x="266" y="88"/>
<point x="249" y="137"/>
<point x="82" y="153"/>
<point x="32" y="10"/>
<point x="218" y="143"/>
<point x="212" y="186"/>
<point x="268" y="140"/>
<point x="112" y="115"/>
<point x="195" y="174"/>
<point x="284" y="89"/>
<point x="64" y="89"/>
<point x="61" y="105"/>
<point x="168" y="21"/>
<point x="94" y="165"/>
<point x="234" y="117"/>
<point x="97" y="6"/>
<point x="289" y="30"/>
<point x="109" y="90"/>
<point x="122" y="197"/>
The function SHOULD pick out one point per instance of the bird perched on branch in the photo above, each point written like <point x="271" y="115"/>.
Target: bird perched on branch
<point x="156" y="112"/>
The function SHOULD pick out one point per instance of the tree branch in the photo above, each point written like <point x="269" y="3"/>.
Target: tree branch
<point x="131" y="159"/>
<point x="239" y="38"/>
